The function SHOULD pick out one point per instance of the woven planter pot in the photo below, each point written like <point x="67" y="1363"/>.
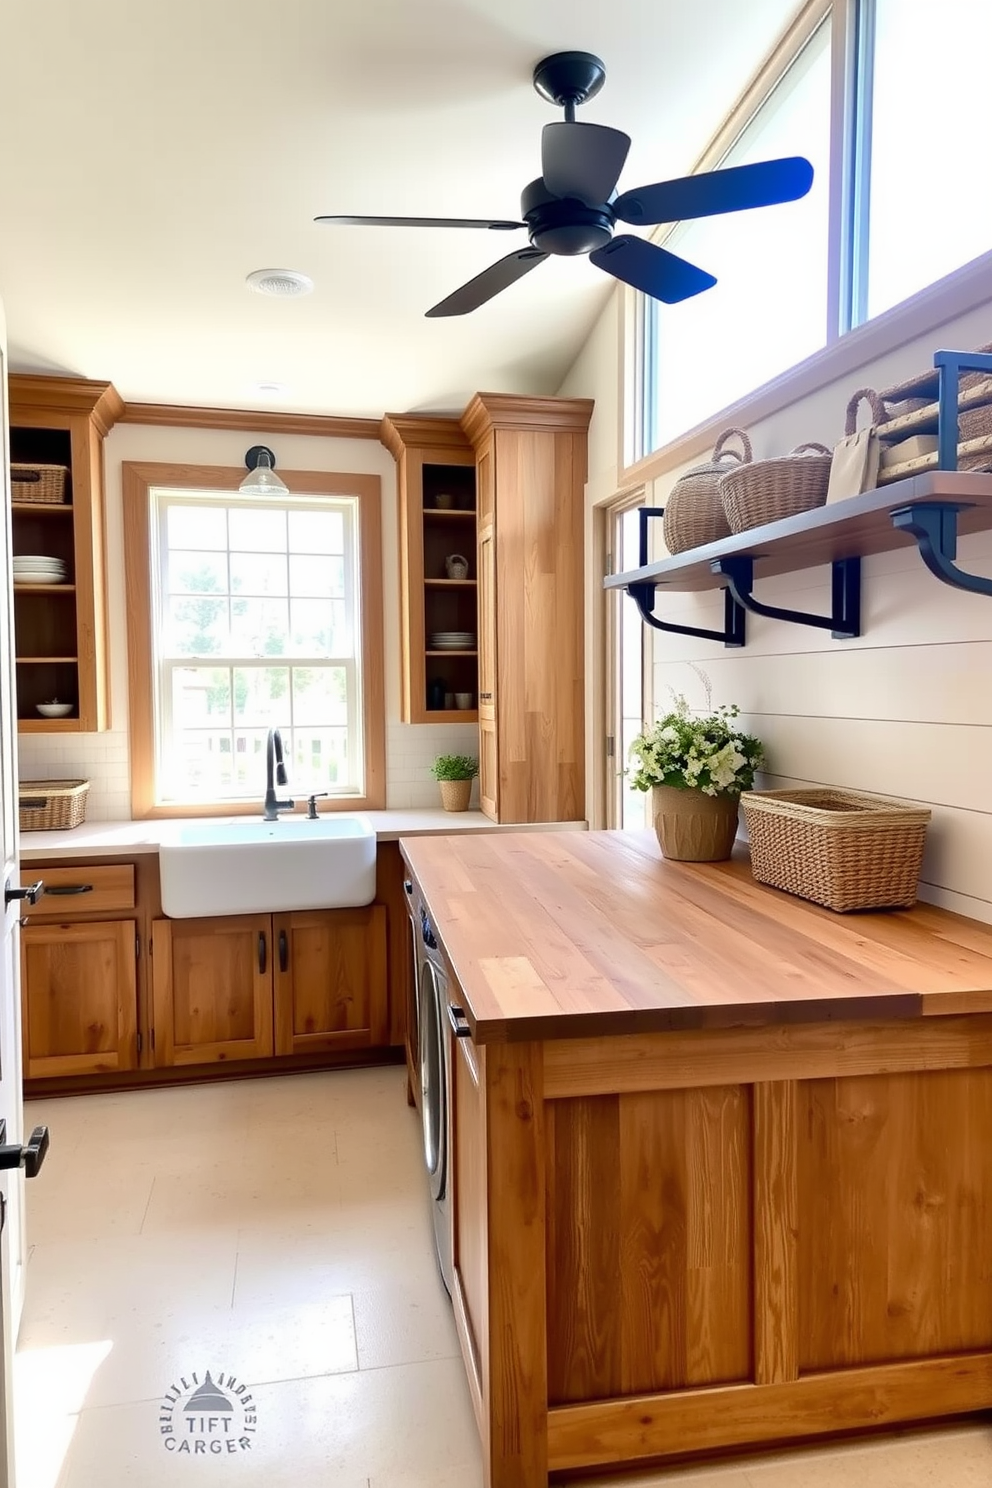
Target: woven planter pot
<point x="769" y="490"/>
<point x="694" y="513"/>
<point x="692" y="827"/>
<point x="455" y="794"/>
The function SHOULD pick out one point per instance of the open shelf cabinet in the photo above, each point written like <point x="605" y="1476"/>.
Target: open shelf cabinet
<point x="60" y="632"/>
<point x="437" y="513"/>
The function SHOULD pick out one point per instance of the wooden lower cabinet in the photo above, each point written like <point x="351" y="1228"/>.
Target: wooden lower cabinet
<point x="212" y="989"/>
<point x="250" y="986"/>
<point x="79" y="998"/>
<point x="330" y="980"/>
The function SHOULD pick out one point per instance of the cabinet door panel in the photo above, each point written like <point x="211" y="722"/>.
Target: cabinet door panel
<point x="488" y="769"/>
<point x="212" y="989"/>
<point x="79" y="997"/>
<point x="487" y="624"/>
<point x="330" y="980"/>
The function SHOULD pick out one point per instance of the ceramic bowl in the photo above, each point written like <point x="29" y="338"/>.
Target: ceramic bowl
<point x="54" y="710"/>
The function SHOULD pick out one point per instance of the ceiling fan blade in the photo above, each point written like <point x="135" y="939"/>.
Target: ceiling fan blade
<point x="582" y="160"/>
<point x="713" y="192"/>
<point x="496" y="225"/>
<point x="660" y="274"/>
<point x="490" y="282"/>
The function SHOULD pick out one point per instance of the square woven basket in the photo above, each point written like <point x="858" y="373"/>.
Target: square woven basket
<point x="51" y="805"/>
<point x="843" y="849"/>
<point x="38" y="483"/>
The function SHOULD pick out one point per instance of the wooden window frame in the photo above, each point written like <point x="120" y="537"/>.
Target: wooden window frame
<point x="139" y="479"/>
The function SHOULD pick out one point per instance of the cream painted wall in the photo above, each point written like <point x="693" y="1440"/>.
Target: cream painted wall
<point x="104" y="759"/>
<point x="905" y="709"/>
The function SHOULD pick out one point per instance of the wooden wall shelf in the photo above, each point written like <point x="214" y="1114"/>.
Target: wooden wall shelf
<point x="932" y="509"/>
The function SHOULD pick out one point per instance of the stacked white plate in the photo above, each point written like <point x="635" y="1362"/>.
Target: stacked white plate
<point x="452" y="640"/>
<point x="36" y="569"/>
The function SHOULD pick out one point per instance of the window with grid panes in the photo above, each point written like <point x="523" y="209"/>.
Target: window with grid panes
<point x="255" y="620"/>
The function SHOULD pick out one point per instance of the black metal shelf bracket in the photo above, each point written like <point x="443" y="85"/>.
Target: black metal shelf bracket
<point x="734" y="617"/>
<point x="843" y="623"/>
<point x="934" y="524"/>
<point x="643" y="595"/>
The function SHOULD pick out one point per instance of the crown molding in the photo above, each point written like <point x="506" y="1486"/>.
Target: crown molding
<point x="250" y="420"/>
<point x="97" y="401"/>
<point x="402" y="431"/>
<point x="489" y="411"/>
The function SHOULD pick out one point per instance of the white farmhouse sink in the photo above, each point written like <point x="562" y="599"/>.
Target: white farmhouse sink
<point x="258" y="867"/>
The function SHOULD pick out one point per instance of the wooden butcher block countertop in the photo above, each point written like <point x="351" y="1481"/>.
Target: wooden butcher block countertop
<point x="556" y="935"/>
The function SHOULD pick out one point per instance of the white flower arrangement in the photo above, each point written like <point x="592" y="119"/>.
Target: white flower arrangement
<point x="710" y="754"/>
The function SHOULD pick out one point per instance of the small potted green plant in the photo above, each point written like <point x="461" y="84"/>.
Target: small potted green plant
<point x="455" y="773"/>
<point x="695" y="769"/>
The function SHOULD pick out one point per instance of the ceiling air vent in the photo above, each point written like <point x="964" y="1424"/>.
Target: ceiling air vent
<point x="283" y="284"/>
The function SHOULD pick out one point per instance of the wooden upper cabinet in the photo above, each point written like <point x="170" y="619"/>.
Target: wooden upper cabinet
<point x="531" y="456"/>
<point x="60" y="631"/>
<point x="79" y="998"/>
<point x="437" y="516"/>
<point x="212" y="989"/>
<point x="330" y="980"/>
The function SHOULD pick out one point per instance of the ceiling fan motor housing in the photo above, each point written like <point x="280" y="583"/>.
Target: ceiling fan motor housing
<point x="566" y="226"/>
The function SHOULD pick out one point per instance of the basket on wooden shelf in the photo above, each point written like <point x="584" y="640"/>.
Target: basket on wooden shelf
<point x="38" y="482"/>
<point x="694" y="513"/>
<point x="51" y="805"/>
<point x="840" y="848"/>
<point x="769" y="490"/>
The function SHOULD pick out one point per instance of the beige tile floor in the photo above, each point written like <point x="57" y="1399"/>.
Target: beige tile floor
<point x="278" y="1230"/>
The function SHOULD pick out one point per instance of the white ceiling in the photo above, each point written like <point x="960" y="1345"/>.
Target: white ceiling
<point x="154" y="152"/>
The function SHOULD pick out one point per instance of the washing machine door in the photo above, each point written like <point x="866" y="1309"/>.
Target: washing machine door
<point x="433" y="995"/>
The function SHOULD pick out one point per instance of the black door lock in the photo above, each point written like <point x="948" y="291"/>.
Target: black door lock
<point x="31" y="892"/>
<point x="29" y="1157"/>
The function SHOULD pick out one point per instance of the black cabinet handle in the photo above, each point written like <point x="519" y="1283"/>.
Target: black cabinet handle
<point x="67" y="889"/>
<point x="407" y="886"/>
<point x="29" y="1157"/>
<point x="31" y="892"/>
<point x="458" y="1021"/>
<point x="261" y="953"/>
<point x="283" y="951"/>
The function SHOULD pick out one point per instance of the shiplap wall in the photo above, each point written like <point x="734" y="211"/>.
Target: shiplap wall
<point x="905" y="709"/>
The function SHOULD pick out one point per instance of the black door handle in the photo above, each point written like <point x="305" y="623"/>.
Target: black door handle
<point x="283" y="951"/>
<point x="261" y="953"/>
<point x="31" y="892"/>
<point x="458" y="1021"/>
<point x="29" y="1157"/>
<point x="67" y="889"/>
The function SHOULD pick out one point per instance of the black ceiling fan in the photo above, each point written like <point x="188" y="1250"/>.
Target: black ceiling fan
<point x="572" y="207"/>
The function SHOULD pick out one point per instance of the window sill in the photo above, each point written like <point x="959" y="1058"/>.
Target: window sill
<point x="957" y="294"/>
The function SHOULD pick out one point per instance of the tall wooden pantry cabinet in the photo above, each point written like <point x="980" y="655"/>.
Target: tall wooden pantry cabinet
<point x="530" y="457"/>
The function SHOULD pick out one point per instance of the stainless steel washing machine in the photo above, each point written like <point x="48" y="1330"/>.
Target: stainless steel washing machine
<point x="430" y="1040"/>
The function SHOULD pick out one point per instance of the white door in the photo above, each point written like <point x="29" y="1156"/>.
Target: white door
<point x="12" y="1248"/>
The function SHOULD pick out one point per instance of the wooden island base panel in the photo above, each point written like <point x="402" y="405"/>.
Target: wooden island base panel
<point x="722" y="1160"/>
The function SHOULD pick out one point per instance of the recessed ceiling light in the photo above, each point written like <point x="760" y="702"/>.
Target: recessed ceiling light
<point x="281" y="283"/>
<point x="271" y="389"/>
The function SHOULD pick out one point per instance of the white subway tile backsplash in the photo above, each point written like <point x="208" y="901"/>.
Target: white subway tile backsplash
<point x="103" y="760"/>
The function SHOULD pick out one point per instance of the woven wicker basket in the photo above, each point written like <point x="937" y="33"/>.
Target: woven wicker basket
<point x="694" y="513"/>
<point x="843" y="849"/>
<point x="38" y="482"/>
<point x="769" y="490"/>
<point x="51" y="805"/>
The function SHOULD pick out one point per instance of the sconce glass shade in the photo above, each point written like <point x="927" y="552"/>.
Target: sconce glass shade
<point x="262" y="479"/>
